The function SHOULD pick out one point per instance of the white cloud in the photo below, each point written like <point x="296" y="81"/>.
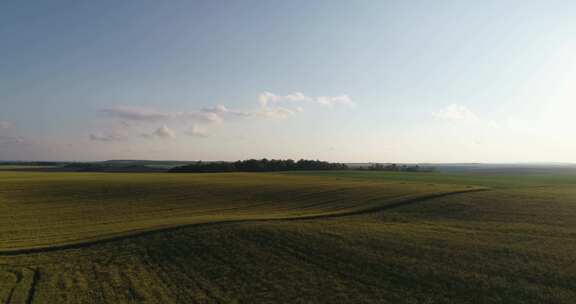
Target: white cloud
<point x="297" y="97"/>
<point x="276" y="112"/>
<point x="270" y="103"/>
<point x="136" y="113"/>
<point x="456" y="112"/>
<point x="106" y="137"/>
<point x="197" y="131"/>
<point x="142" y="114"/>
<point x="203" y="117"/>
<point x="162" y="132"/>
<point x="220" y="110"/>
<point x="165" y="132"/>
<point x="344" y="100"/>
<point x="267" y="99"/>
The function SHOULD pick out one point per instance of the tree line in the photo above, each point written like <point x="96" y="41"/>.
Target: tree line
<point x="260" y="165"/>
<point x="397" y="168"/>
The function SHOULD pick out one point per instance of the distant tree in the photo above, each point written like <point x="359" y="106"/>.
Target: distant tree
<point x="262" y="165"/>
<point x="396" y="168"/>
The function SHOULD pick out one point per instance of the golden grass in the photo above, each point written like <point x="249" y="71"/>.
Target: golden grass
<point x="54" y="209"/>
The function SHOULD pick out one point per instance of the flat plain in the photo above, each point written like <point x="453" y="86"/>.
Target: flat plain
<point x="302" y="237"/>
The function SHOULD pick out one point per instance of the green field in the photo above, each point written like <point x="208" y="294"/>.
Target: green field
<point x="22" y="167"/>
<point x="299" y="237"/>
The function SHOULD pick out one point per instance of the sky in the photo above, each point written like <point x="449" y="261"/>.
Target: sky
<point x="349" y="81"/>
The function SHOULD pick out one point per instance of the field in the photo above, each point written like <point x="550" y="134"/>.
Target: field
<point x="305" y="237"/>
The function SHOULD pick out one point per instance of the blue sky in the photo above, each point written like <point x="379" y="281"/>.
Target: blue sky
<point x="390" y="81"/>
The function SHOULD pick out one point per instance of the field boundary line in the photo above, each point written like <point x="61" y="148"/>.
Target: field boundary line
<point x="398" y="202"/>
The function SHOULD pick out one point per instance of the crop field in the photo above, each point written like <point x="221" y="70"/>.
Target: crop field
<point x="305" y="237"/>
<point x="46" y="210"/>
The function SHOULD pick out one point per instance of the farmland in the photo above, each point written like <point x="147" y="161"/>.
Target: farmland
<point x="299" y="237"/>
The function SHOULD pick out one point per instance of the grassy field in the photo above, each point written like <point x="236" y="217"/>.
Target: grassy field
<point x="20" y="167"/>
<point x="307" y="237"/>
<point x="40" y="210"/>
<point x="501" y="180"/>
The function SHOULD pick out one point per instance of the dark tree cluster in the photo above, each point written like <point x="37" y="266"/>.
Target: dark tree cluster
<point x="110" y="167"/>
<point x="397" y="168"/>
<point x="32" y="163"/>
<point x="260" y="165"/>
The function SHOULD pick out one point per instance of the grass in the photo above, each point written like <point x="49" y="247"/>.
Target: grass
<point x="40" y="210"/>
<point x="506" y="180"/>
<point x="288" y="238"/>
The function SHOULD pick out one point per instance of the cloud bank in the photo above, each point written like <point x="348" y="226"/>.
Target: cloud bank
<point x="106" y="137"/>
<point x="267" y="99"/>
<point x="142" y="114"/>
<point x="196" y="123"/>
